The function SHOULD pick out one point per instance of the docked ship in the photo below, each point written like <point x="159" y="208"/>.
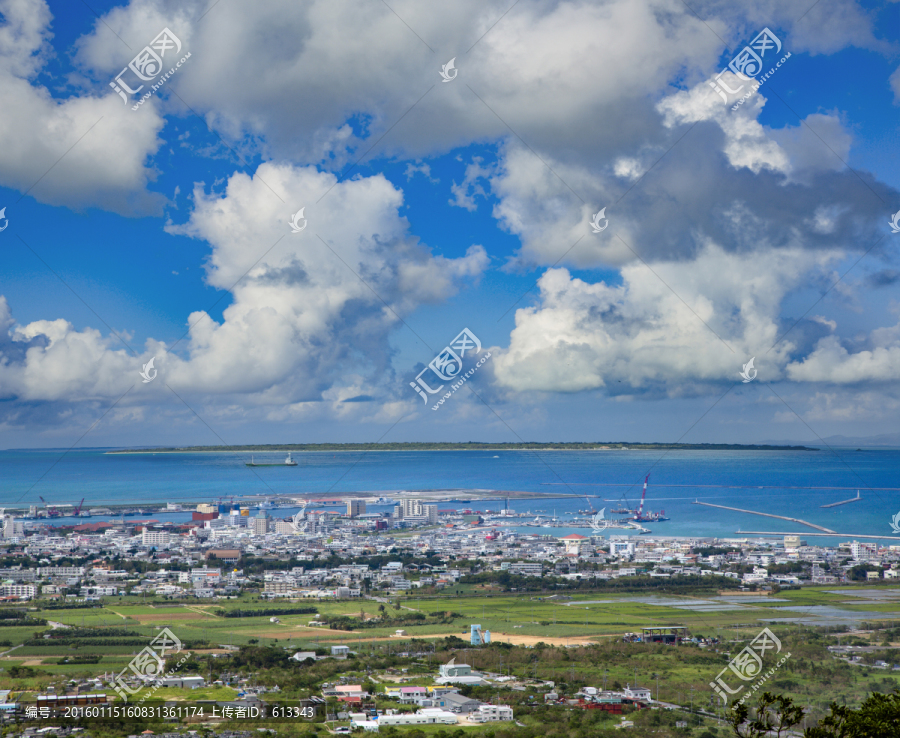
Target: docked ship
<point x="287" y="462"/>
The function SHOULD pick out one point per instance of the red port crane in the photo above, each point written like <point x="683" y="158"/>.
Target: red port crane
<point x="78" y="509"/>
<point x="650" y="517"/>
<point x="643" y="496"/>
<point x="52" y="512"/>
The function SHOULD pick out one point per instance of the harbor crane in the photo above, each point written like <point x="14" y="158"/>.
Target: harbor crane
<point x="52" y="512"/>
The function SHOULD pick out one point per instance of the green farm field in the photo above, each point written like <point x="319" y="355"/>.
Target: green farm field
<point x="523" y="617"/>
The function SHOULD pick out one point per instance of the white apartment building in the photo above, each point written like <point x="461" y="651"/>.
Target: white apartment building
<point x="205" y="575"/>
<point x="155" y="537"/>
<point x="168" y="589"/>
<point x="24" y="591"/>
<point x="411" y="508"/>
<point x="621" y="548"/>
<point x="862" y="551"/>
<point x="527" y="568"/>
<point x="491" y="713"/>
<point x="11" y="528"/>
<point x="99" y="591"/>
<point x="60" y="571"/>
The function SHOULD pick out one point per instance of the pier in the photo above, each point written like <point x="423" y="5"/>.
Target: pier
<point x="768" y="515"/>
<point x="844" y="502"/>
<point x="774" y="534"/>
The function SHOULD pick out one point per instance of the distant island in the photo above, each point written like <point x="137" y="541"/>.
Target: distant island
<point x="469" y="446"/>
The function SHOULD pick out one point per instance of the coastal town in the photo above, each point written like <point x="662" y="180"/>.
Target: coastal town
<point x="379" y="621"/>
<point x="200" y="558"/>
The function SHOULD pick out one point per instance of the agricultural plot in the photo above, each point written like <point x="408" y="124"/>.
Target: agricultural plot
<point x="82" y="617"/>
<point x="16" y="635"/>
<point x="525" y="618"/>
<point x="531" y="615"/>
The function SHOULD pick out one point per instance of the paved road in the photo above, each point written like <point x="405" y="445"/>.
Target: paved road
<point x="11" y="650"/>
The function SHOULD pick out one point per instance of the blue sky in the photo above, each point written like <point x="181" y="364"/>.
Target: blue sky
<point x="434" y="206"/>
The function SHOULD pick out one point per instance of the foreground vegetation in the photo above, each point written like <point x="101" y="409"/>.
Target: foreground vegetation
<point x="534" y="638"/>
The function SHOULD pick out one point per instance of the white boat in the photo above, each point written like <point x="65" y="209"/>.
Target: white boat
<point x="287" y="462"/>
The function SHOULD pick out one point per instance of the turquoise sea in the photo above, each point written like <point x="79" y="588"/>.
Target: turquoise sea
<point x="790" y="483"/>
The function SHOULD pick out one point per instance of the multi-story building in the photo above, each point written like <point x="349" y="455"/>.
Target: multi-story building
<point x="23" y="591"/>
<point x="491" y="713"/>
<point x="621" y="548"/>
<point x="410" y="508"/>
<point x="204" y="575"/>
<point x="279" y="589"/>
<point x="526" y="568"/>
<point x="60" y="571"/>
<point x="413" y="511"/>
<point x="155" y="537"/>
<point x="574" y="543"/>
<point x="260" y="524"/>
<point x="11" y="528"/>
<point x="99" y="591"/>
<point x="862" y="551"/>
<point x="355" y="508"/>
